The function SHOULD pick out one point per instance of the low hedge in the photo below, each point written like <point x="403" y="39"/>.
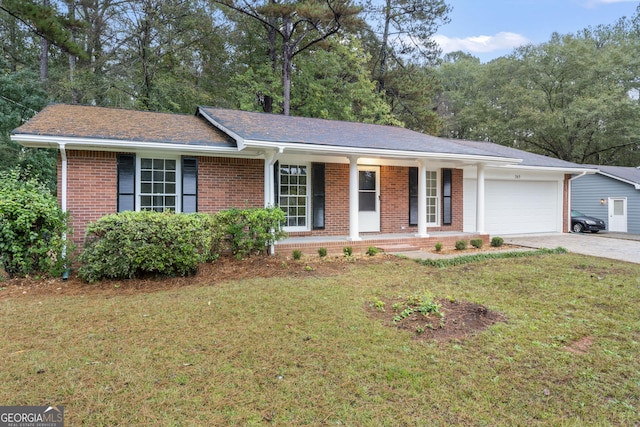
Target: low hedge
<point x="128" y="244"/>
<point x="131" y="244"/>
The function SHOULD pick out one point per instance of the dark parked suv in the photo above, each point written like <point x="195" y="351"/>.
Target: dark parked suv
<point x="581" y="222"/>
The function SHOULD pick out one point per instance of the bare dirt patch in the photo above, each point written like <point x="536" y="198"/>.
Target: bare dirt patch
<point x="581" y="346"/>
<point x="471" y="250"/>
<point x="459" y="320"/>
<point x="224" y="269"/>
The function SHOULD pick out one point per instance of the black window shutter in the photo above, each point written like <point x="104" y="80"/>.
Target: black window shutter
<point x="413" y="196"/>
<point x="189" y="184"/>
<point x="276" y="183"/>
<point x="126" y="182"/>
<point x="317" y="191"/>
<point x="446" y="196"/>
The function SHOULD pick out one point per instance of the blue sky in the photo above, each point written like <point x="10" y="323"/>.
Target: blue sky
<point x="492" y="28"/>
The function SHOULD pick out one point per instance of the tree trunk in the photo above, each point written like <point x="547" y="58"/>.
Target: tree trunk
<point x="384" y="49"/>
<point x="286" y="67"/>
<point x="44" y="54"/>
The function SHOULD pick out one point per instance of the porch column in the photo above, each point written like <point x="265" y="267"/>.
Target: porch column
<point x="269" y="180"/>
<point x="354" y="201"/>
<point x="422" y="199"/>
<point x="480" y="198"/>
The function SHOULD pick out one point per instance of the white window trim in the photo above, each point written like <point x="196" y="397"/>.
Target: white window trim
<point x="178" y="159"/>
<point x="294" y="229"/>
<point x="438" y="198"/>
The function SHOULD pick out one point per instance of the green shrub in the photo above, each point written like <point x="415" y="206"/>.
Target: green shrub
<point x="476" y="243"/>
<point x="438" y="246"/>
<point x="372" y="251"/>
<point x="297" y="254"/>
<point x="496" y="242"/>
<point x="322" y="252"/>
<point x="32" y="228"/>
<point x="250" y="231"/>
<point x="129" y="244"/>
<point x="347" y="251"/>
<point x="461" y="245"/>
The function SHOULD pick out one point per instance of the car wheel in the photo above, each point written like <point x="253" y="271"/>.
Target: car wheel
<point x="577" y="227"/>
<point x="594" y="231"/>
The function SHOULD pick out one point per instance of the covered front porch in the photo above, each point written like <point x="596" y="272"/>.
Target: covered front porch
<point x="386" y="242"/>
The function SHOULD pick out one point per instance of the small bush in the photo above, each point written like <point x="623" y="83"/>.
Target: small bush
<point x="372" y="251"/>
<point x="347" y="251"/>
<point x="250" y="231"/>
<point x="32" y="228"/>
<point x="461" y="245"/>
<point x="496" y="242"/>
<point x="128" y="244"/>
<point x="297" y="254"/>
<point x="322" y="252"/>
<point x="476" y="243"/>
<point x="438" y="246"/>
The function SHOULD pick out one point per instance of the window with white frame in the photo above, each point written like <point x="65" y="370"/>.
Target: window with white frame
<point x="432" y="197"/>
<point x="293" y="193"/>
<point x="158" y="184"/>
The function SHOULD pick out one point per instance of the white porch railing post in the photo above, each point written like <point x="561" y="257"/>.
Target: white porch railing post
<point x="480" y="206"/>
<point x="422" y="199"/>
<point x="354" y="203"/>
<point x="268" y="179"/>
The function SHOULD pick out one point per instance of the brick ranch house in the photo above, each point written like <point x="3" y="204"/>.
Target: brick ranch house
<point x="339" y="183"/>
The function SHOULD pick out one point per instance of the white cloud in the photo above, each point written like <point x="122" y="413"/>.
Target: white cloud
<point x="481" y="44"/>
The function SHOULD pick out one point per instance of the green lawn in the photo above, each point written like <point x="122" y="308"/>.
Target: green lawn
<point x="304" y="350"/>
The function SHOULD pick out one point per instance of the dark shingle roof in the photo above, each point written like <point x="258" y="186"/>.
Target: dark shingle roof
<point x="78" y="121"/>
<point x="302" y="130"/>
<point x="528" y="159"/>
<point x="629" y="174"/>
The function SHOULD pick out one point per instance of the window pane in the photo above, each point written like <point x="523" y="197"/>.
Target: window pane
<point x="170" y="188"/>
<point x="292" y="196"/>
<point x="158" y="188"/>
<point x="145" y="188"/>
<point x="170" y="177"/>
<point x="367" y="202"/>
<point x="170" y="202"/>
<point x="367" y="180"/>
<point x="170" y="165"/>
<point x="618" y="207"/>
<point x="158" y="175"/>
<point x="146" y="163"/>
<point x="158" y="163"/>
<point x="145" y="202"/>
<point x="145" y="176"/>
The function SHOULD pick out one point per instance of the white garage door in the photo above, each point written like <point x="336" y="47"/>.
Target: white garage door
<point x="513" y="207"/>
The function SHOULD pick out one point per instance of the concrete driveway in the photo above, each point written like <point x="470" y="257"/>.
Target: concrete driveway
<point x="622" y="247"/>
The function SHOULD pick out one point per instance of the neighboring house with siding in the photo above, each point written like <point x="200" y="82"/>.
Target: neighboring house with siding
<point x="336" y="181"/>
<point x="612" y="194"/>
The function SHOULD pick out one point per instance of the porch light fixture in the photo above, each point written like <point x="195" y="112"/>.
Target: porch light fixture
<point x="603" y="202"/>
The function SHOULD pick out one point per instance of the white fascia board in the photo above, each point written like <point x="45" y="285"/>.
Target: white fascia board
<point x="635" y="184"/>
<point x="372" y="152"/>
<point x="240" y="142"/>
<point x="40" y="141"/>
<point x="550" y="169"/>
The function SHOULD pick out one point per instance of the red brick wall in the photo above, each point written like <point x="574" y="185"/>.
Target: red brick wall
<point x="225" y="183"/>
<point x="91" y="188"/>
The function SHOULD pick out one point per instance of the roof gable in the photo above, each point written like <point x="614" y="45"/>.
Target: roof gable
<point x="626" y="174"/>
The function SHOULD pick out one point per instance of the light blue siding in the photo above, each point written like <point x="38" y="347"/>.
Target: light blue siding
<point x="588" y="190"/>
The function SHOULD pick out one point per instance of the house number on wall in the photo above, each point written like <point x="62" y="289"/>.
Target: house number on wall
<point x="517" y="176"/>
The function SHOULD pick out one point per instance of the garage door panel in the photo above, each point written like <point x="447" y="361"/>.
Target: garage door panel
<point x="521" y="206"/>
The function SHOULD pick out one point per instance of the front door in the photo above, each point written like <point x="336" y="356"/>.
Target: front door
<point x="369" y="198"/>
<point x="618" y="214"/>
